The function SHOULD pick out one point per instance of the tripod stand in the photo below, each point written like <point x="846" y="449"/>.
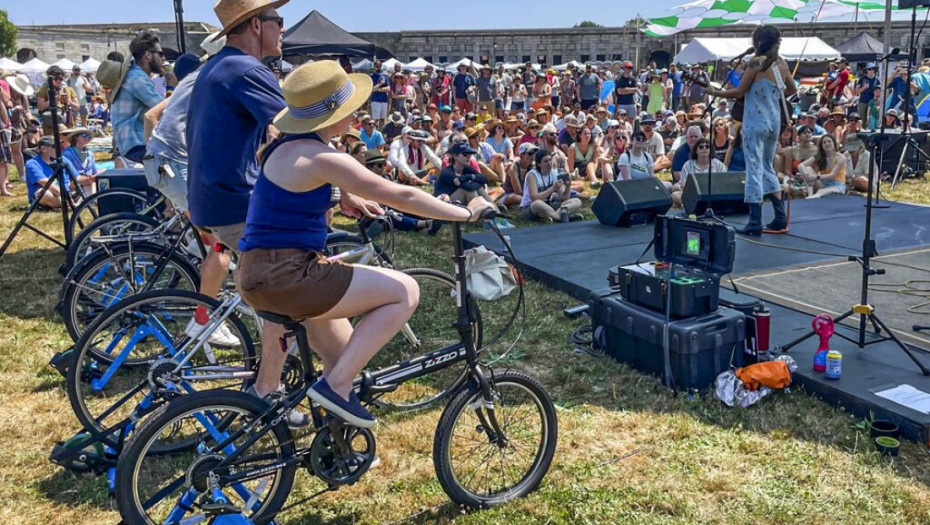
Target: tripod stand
<point x="864" y="310"/>
<point x="57" y="177"/>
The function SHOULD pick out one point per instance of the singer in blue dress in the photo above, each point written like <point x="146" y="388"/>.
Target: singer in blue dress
<point x="766" y="80"/>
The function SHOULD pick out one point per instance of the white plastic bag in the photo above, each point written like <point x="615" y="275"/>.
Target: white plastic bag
<point x="488" y="275"/>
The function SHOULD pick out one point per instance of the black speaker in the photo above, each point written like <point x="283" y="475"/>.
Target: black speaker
<point x="893" y="149"/>
<point x="910" y="4"/>
<point x="727" y="198"/>
<point x="630" y="202"/>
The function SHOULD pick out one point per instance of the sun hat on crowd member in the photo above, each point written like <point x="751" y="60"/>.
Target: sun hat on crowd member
<point x="111" y="74"/>
<point x="20" y="85"/>
<point x="396" y="118"/>
<point x="419" y="135"/>
<point x="320" y="94"/>
<point x="549" y="128"/>
<point x="528" y="148"/>
<point x="233" y="12"/>
<point x="374" y="156"/>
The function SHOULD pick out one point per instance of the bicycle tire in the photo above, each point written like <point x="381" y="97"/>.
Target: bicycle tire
<point x="427" y="390"/>
<point x="132" y="372"/>
<point x="454" y="426"/>
<point x="128" y="497"/>
<point x="80" y="246"/>
<point x="91" y="205"/>
<point x="335" y="244"/>
<point x="78" y="309"/>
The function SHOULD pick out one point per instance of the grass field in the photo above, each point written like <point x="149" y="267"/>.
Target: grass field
<point x="629" y="450"/>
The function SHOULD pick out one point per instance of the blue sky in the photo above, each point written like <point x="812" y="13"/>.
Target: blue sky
<point x="364" y="15"/>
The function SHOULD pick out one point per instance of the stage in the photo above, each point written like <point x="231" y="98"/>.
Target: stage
<point x="799" y="274"/>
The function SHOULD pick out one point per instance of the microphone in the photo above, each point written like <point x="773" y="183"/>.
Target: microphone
<point x="894" y="51"/>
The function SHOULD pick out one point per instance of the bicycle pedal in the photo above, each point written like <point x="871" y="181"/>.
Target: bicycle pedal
<point x="220" y="509"/>
<point x="61" y="361"/>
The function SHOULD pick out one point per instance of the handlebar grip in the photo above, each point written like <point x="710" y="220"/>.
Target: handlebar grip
<point x="489" y="214"/>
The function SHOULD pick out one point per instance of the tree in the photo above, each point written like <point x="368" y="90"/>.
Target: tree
<point x="7" y="35"/>
<point x="587" y="23"/>
<point x="636" y="22"/>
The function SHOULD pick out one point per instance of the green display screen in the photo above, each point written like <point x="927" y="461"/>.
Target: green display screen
<point x="694" y="244"/>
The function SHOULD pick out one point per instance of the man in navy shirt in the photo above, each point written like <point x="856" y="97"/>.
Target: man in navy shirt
<point x="865" y="88"/>
<point x="379" y="95"/>
<point x="625" y="89"/>
<point x="232" y="107"/>
<point x="461" y="83"/>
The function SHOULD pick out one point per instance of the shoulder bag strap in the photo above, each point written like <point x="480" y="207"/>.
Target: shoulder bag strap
<point x="780" y="82"/>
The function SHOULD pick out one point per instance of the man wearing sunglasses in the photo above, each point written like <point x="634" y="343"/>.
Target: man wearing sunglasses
<point x="136" y="95"/>
<point x="66" y="99"/>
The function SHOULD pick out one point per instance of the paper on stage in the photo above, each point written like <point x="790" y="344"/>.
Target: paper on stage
<point x="908" y="396"/>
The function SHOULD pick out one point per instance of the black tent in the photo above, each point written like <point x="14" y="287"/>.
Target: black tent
<point x="315" y="35"/>
<point x="861" y="48"/>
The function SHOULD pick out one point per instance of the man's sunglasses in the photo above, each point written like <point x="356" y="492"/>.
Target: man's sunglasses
<point x="278" y="19"/>
<point x="378" y="165"/>
<point x="84" y="135"/>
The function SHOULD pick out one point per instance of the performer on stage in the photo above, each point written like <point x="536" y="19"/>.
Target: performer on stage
<point x="762" y="108"/>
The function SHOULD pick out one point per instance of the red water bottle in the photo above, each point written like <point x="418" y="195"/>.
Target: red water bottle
<point x="763" y="318"/>
<point x="823" y="327"/>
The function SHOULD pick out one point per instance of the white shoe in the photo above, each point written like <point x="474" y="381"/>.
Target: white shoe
<point x="222" y="336"/>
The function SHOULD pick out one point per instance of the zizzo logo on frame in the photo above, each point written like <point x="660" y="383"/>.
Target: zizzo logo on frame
<point x="443" y="358"/>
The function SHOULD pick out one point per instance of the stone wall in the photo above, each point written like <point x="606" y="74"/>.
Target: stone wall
<point x="597" y="44"/>
<point x="78" y="42"/>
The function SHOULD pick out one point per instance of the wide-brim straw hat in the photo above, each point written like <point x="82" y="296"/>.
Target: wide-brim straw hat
<point x="20" y="85"/>
<point x="320" y="94"/>
<point x="72" y="132"/>
<point x="233" y="12"/>
<point x="838" y="111"/>
<point x="111" y="74"/>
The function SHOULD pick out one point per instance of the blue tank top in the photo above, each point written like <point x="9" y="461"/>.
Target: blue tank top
<point x="279" y="218"/>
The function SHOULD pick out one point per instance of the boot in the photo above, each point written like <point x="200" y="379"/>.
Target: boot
<point x="781" y="219"/>
<point x="754" y="226"/>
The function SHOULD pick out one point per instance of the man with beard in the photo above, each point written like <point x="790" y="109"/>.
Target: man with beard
<point x="136" y="95"/>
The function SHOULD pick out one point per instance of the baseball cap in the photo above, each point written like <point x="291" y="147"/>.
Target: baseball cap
<point x="406" y="130"/>
<point x="528" y="148"/>
<point x="445" y="109"/>
<point x="461" y="148"/>
<point x="853" y="116"/>
<point x="457" y="125"/>
<point x="549" y="128"/>
<point x="648" y="119"/>
<point x="621" y="111"/>
<point x="419" y="135"/>
<point x="627" y="64"/>
<point x="46" y="140"/>
<point x="612" y="123"/>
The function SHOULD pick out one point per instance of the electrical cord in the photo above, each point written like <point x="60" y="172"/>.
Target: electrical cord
<point x="519" y="308"/>
<point x="582" y="338"/>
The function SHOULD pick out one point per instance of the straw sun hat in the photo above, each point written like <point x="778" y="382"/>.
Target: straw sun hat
<point x="233" y="12"/>
<point x="320" y="94"/>
<point x="111" y="74"/>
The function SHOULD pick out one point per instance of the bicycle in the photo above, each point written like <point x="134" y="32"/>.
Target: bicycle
<point x="248" y="464"/>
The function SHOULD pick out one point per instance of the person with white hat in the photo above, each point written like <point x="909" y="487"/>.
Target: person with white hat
<point x="409" y="154"/>
<point x="236" y="98"/>
<point x="20" y="91"/>
<point x="282" y="269"/>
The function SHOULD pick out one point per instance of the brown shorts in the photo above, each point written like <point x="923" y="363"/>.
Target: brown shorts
<point x="295" y="283"/>
<point x="229" y="235"/>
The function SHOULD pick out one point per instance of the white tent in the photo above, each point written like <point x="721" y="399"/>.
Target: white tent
<point x="455" y="65"/>
<point x="90" y="65"/>
<point x="518" y="65"/>
<point x="388" y="65"/>
<point x="573" y="63"/>
<point x="35" y="69"/>
<point x="286" y="67"/>
<point x="712" y="49"/>
<point x="363" y="65"/>
<point x="419" y="65"/>
<point x="65" y="64"/>
<point x="10" y="65"/>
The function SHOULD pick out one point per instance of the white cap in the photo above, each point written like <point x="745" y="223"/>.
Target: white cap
<point x="549" y="128"/>
<point x="407" y="129"/>
<point x="528" y="147"/>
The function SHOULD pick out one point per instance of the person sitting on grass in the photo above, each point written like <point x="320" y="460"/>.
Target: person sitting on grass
<point x="546" y="195"/>
<point x="82" y="159"/>
<point x="38" y="171"/>
<point x="583" y="155"/>
<point x="700" y="162"/>
<point x="636" y="162"/>
<point x="516" y="175"/>
<point x="409" y="155"/>
<point x="825" y="171"/>
<point x="858" y="159"/>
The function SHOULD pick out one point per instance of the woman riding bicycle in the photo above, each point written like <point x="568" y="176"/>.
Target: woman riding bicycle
<point x="282" y="269"/>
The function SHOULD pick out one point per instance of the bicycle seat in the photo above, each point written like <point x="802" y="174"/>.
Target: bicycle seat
<point x="280" y="319"/>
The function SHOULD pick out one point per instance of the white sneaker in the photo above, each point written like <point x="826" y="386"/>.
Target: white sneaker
<point x="222" y="336"/>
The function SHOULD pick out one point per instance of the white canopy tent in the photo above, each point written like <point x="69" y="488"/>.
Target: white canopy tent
<point x="388" y="65"/>
<point x="364" y="65"/>
<point x="712" y="49"/>
<point x="65" y="64"/>
<point x="90" y="65"/>
<point x="455" y="65"/>
<point x="573" y="63"/>
<point x="10" y="65"/>
<point x="518" y="65"/>
<point x="35" y="69"/>
<point x="419" y="65"/>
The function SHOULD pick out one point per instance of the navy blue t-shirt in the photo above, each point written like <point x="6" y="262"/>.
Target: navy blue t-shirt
<point x="462" y="82"/>
<point x="682" y="155"/>
<point x="623" y="83"/>
<point x="379" y="96"/>
<point x="866" y="96"/>
<point x="234" y="100"/>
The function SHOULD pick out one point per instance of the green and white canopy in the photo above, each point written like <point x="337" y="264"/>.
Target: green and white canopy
<point x="719" y="13"/>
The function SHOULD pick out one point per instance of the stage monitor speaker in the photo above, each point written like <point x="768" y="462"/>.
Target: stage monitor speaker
<point x="894" y="148"/>
<point x="631" y="202"/>
<point x="727" y="199"/>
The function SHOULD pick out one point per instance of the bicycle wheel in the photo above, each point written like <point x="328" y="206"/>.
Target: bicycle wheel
<point x="155" y="488"/>
<point x="127" y="359"/>
<point x="109" y="201"/>
<point x="101" y="279"/>
<point x="351" y="249"/>
<point x="430" y="328"/>
<point x="113" y="224"/>
<point x="477" y="468"/>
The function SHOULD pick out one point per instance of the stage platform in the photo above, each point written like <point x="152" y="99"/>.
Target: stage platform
<point x="574" y="258"/>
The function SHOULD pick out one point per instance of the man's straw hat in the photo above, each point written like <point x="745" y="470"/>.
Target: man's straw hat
<point x="320" y="94"/>
<point x="233" y="12"/>
<point x="111" y="74"/>
<point x="20" y="85"/>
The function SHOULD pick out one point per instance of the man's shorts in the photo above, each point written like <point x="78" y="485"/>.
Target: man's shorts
<point x="168" y="177"/>
<point x="296" y="283"/>
<point x="229" y="235"/>
<point x="587" y="104"/>
<point x="84" y="111"/>
<point x="379" y="110"/>
<point x="6" y="155"/>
